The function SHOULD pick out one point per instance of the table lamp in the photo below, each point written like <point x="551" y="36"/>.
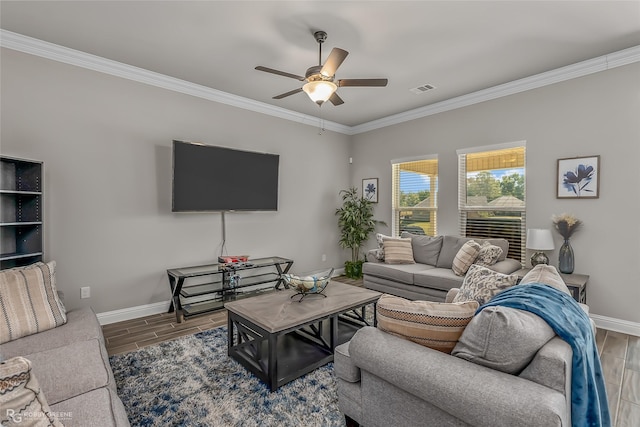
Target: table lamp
<point x="539" y="240"/>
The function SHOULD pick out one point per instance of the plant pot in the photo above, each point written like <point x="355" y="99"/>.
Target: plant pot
<point x="353" y="269"/>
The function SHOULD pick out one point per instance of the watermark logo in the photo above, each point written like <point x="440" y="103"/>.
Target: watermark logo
<point x="18" y="417"/>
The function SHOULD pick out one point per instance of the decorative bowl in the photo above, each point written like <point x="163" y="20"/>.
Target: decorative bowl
<point x="308" y="284"/>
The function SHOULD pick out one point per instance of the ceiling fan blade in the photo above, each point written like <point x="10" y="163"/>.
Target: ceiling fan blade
<point x="336" y="57"/>
<point x="280" y="73"/>
<point x="335" y="99"/>
<point x="291" y="92"/>
<point x="362" y="82"/>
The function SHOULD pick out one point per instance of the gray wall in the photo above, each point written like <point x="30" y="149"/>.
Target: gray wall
<point x="106" y="146"/>
<point x="596" y="114"/>
<point x="106" y="142"/>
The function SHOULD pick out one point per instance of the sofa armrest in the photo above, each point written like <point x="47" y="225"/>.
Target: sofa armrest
<point x="506" y="266"/>
<point x="475" y="394"/>
<point x="451" y="294"/>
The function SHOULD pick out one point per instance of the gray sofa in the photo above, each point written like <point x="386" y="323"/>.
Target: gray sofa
<point x="508" y="368"/>
<point x="71" y="364"/>
<point x="385" y="380"/>
<point x="431" y="277"/>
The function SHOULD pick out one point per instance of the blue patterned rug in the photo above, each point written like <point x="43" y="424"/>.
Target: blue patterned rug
<point x="192" y="382"/>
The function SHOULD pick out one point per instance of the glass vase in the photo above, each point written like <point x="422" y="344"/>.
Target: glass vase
<point x="565" y="258"/>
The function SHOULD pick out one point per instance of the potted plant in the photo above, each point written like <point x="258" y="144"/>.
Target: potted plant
<point x="356" y="223"/>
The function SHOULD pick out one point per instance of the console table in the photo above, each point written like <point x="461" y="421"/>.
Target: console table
<point x="577" y="283"/>
<point x="212" y="285"/>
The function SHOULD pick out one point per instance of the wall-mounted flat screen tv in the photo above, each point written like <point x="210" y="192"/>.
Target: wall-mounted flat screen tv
<point x="207" y="178"/>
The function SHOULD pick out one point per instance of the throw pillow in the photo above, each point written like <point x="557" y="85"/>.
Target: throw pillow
<point x="465" y="257"/>
<point x="30" y="302"/>
<point x="380" y="251"/>
<point x="481" y="284"/>
<point x="22" y="400"/>
<point x="503" y="338"/>
<point x="547" y="275"/>
<point x="488" y="254"/>
<point x="436" y="325"/>
<point x="397" y="251"/>
<point x="425" y="248"/>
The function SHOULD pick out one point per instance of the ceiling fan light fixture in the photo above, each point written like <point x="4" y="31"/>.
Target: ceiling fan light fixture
<point x="320" y="91"/>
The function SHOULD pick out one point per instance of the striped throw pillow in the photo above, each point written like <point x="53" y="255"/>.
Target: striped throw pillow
<point x="29" y="301"/>
<point x="437" y="325"/>
<point x="465" y="257"/>
<point x="398" y="250"/>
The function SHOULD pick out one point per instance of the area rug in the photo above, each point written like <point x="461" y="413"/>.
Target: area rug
<point x="191" y="381"/>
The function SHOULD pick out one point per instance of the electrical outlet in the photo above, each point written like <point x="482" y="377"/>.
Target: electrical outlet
<point x="324" y="257"/>
<point x="85" y="292"/>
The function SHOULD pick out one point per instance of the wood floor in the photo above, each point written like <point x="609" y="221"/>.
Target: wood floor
<point x="619" y="353"/>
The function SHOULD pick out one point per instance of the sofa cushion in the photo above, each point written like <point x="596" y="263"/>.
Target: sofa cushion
<point x="465" y="257"/>
<point x="29" y="301"/>
<point x="21" y="398"/>
<point x="503" y="338"/>
<point x="84" y="361"/>
<point x="481" y="284"/>
<point x="397" y="250"/>
<point x="432" y="324"/>
<point x="82" y="324"/>
<point x="450" y="247"/>
<point x="506" y="266"/>
<point x="488" y="254"/>
<point x="402" y="273"/>
<point x="425" y="248"/>
<point x="438" y="278"/>
<point x="547" y="275"/>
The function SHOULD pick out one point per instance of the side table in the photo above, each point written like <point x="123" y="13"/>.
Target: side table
<point x="577" y="283"/>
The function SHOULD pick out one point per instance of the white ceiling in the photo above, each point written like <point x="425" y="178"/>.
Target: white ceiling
<point x="458" y="47"/>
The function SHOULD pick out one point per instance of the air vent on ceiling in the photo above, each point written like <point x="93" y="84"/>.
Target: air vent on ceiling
<point x="422" y="89"/>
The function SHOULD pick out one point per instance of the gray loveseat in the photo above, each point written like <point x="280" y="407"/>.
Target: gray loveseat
<point x="431" y="276"/>
<point x="72" y="367"/>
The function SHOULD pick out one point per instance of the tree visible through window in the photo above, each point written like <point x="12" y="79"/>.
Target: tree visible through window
<point x="415" y="189"/>
<point x="492" y="196"/>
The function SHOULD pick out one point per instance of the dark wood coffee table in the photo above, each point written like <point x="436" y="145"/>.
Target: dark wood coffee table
<point x="280" y="339"/>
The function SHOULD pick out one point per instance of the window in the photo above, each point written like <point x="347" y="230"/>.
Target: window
<point x="492" y="194"/>
<point x="415" y="190"/>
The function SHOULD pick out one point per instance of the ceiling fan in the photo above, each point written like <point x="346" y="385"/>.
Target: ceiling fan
<point x="320" y="85"/>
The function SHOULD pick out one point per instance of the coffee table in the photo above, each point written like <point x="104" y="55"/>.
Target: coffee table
<point x="280" y="339"/>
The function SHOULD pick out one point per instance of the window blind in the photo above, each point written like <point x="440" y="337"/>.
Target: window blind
<point x="492" y="199"/>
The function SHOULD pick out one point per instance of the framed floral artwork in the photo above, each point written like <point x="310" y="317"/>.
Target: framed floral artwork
<point x="370" y="189"/>
<point x="579" y="178"/>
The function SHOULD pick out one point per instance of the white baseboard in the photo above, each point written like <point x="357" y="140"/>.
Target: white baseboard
<point x="150" y="309"/>
<point x="616" y="325"/>
<point x="602" y="322"/>
<point x="133" y="312"/>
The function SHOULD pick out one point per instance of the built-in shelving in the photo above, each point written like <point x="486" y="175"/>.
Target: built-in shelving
<point x="21" y="212"/>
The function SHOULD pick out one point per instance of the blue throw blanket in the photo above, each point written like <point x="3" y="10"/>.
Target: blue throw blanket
<point x="589" y="405"/>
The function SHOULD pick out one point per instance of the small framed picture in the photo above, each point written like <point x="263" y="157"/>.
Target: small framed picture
<point x="579" y="178"/>
<point x="370" y="189"/>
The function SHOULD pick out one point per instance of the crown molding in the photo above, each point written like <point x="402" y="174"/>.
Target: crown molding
<point x="25" y="44"/>
<point x="69" y="56"/>
<point x="580" y="69"/>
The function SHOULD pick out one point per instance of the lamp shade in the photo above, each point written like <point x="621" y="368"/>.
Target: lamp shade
<point x="320" y="90"/>
<point x="539" y="239"/>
